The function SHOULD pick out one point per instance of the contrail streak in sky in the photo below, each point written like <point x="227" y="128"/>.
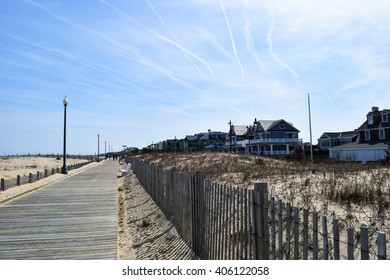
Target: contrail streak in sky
<point x="161" y="37"/>
<point x="232" y="39"/>
<point x="272" y="53"/>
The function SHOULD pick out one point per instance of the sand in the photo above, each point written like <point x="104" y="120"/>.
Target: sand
<point x="144" y="233"/>
<point x="10" y="167"/>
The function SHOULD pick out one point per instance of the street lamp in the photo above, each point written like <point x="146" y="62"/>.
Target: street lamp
<point x="64" y="169"/>
<point x="98" y="159"/>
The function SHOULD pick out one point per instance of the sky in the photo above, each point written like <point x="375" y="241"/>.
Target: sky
<point x="137" y="72"/>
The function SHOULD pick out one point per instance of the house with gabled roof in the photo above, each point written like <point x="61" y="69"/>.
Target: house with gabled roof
<point x="237" y="138"/>
<point x="333" y="139"/>
<point x="265" y="137"/>
<point x="205" y="140"/>
<point x="373" y="139"/>
<point x="272" y="137"/>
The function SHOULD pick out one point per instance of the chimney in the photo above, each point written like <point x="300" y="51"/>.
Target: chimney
<point x="375" y="109"/>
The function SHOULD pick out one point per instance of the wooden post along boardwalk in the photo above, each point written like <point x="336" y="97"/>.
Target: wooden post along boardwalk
<point x="75" y="218"/>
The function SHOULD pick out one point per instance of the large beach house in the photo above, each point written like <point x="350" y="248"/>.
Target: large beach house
<point x="264" y="137"/>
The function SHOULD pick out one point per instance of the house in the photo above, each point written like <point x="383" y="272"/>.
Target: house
<point x="333" y="139"/>
<point x="237" y="138"/>
<point x="266" y="137"/>
<point x="272" y="137"/>
<point x="210" y="140"/>
<point x="373" y="139"/>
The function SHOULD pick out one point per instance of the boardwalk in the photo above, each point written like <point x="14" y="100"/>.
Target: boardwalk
<point x="75" y="218"/>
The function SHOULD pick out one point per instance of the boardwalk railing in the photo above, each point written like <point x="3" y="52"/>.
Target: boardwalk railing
<point x="33" y="177"/>
<point x="227" y="223"/>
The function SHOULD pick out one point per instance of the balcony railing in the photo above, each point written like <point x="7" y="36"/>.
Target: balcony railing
<point x="275" y="140"/>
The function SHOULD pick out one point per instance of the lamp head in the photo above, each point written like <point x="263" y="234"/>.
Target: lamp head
<point x="65" y="101"/>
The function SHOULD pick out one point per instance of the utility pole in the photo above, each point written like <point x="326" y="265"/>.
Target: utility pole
<point x="230" y="135"/>
<point x="311" y="141"/>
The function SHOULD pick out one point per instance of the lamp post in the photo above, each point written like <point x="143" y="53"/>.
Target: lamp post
<point x="98" y="159"/>
<point x="64" y="169"/>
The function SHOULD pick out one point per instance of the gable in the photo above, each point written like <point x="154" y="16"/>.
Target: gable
<point x="282" y="125"/>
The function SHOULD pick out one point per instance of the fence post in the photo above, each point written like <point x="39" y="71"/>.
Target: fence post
<point x="196" y="212"/>
<point x="30" y="178"/>
<point x="18" y="180"/>
<point x="296" y="233"/>
<point x="280" y="229"/>
<point x="261" y="224"/>
<point x="2" y="184"/>
<point x="325" y="237"/>
<point x="381" y="246"/>
<point x="315" y="236"/>
<point x="288" y="231"/>
<point x="350" y="244"/>
<point x="364" y="243"/>
<point x="305" y="234"/>
<point x="336" y="239"/>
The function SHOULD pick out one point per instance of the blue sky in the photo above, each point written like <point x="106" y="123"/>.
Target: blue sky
<point x="141" y="71"/>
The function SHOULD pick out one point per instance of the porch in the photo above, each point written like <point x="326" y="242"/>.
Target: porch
<point x="270" y="149"/>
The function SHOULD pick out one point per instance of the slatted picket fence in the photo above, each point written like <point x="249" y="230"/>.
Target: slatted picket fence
<point x="222" y="222"/>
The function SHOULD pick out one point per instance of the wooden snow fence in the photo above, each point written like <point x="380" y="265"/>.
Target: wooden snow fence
<point x="221" y="222"/>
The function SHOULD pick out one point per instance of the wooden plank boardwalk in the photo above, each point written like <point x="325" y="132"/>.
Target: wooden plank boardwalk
<point x="75" y="218"/>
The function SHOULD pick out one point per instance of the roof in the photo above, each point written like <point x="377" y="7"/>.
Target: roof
<point x="354" y="146"/>
<point x="377" y="120"/>
<point x="240" y="129"/>
<point x="266" y="124"/>
<point x="337" y="135"/>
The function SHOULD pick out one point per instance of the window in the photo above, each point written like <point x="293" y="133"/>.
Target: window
<point x="367" y="135"/>
<point x="370" y="119"/>
<point x="385" y="118"/>
<point x="381" y="134"/>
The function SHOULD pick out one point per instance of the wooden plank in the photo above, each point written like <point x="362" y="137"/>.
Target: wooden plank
<point x="351" y="246"/>
<point x="220" y="222"/>
<point x="280" y="229"/>
<point x="288" y="230"/>
<point x="364" y="243"/>
<point x="296" y="233"/>
<point x="305" y="234"/>
<point x="252" y="225"/>
<point x="336" y="239"/>
<point x="231" y="223"/>
<point x="315" y="236"/>
<point x="325" y="238"/>
<point x="382" y="255"/>
<point x="242" y="221"/>
<point x="273" y="229"/>
<point x="261" y="220"/>
<point x="247" y="233"/>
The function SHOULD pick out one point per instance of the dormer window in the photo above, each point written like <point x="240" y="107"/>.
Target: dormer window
<point x="385" y="118"/>
<point x="370" y="119"/>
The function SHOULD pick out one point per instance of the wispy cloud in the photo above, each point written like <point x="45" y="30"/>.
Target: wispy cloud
<point x="162" y="37"/>
<point x="232" y="39"/>
<point x="174" y="37"/>
<point x="125" y="52"/>
<point x="249" y="40"/>
<point x="274" y="55"/>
